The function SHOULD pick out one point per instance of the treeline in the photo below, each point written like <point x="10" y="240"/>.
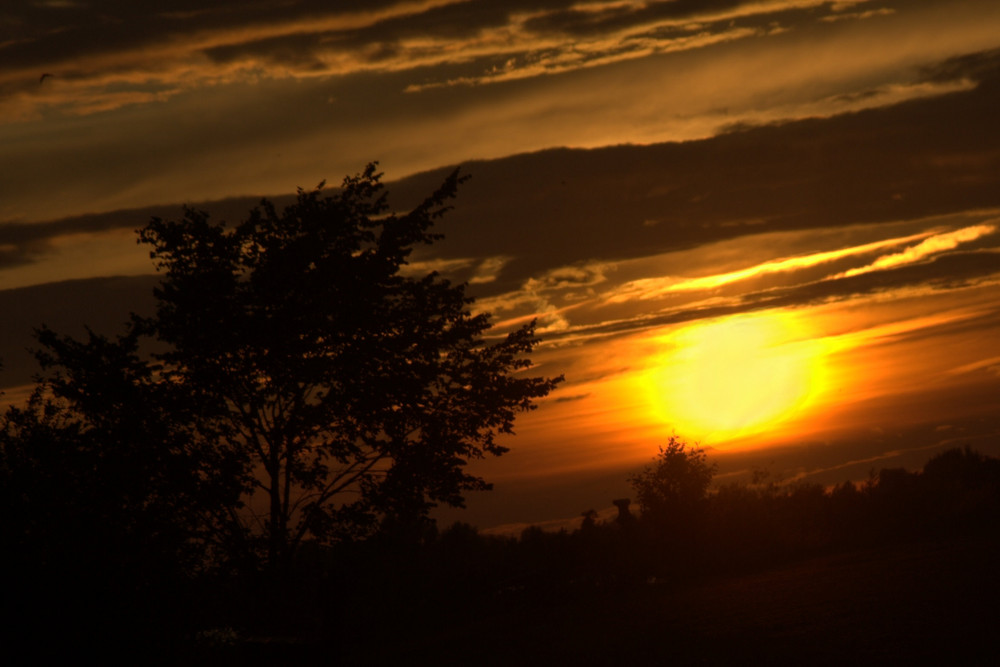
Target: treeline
<point x="731" y="527"/>
<point x="445" y="577"/>
<point x="103" y="574"/>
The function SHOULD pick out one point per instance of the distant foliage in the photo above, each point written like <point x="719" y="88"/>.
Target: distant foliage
<point x="737" y="526"/>
<point x="675" y="485"/>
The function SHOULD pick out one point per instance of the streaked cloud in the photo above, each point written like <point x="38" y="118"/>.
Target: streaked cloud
<point x="149" y="57"/>
<point x="561" y="58"/>
<point x="257" y="93"/>
<point x="651" y="288"/>
<point x="991" y="365"/>
<point x="855" y="16"/>
<point x="927" y="247"/>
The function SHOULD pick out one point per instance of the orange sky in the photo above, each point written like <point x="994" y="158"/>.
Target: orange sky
<point x="772" y="227"/>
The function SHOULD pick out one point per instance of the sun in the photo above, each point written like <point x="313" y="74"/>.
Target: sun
<point x="735" y="376"/>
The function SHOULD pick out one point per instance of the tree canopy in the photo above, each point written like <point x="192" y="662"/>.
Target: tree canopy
<point x="322" y="390"/>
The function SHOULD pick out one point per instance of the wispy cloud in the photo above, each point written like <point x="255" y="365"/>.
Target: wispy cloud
<point x="249" y="93"/>
<point x="441" y="42"/>
<point x="653" y="288"/>
<point x="610" y="308"/>
<point x="179" y="57"/>
<point x="529" y="61"/>
<point x="489" y="269"/>
<point x="991" y="365"/>
<point x="439" y="264"/>
<point x="935" y="244"/>
<point x="856" y="16"/>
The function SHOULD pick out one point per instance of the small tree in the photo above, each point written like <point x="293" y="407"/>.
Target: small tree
<point x="672" y="489"/>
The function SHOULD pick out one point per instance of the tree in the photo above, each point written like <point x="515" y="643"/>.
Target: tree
<point x="672" y="489"/>
<point x="350" y="393"/>
<point x="108" y="504"/>
<point x="124" y="446"/>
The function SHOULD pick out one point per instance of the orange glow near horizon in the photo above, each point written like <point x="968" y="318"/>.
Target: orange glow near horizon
<point x="735" y="377"/>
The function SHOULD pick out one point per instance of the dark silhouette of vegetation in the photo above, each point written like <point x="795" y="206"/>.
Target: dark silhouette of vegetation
<point x="96" y="514"/>
<point x="107" y="503"/>
<point x="672" y="491"/>
<point x="675" y="483"/>
<point x="295" y="388"/>
<point x="739" y="528"/>
<point x="350" y="395"/>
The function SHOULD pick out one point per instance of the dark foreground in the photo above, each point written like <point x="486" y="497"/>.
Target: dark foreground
<point x="900" y="569"/>
<point x="927" y="603"/>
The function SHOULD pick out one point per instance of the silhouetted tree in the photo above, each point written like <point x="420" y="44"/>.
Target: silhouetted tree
<point x="962" y="488"/>
<point x="109" y="506"/>
<point x="135" y="437"/>
<point x="671" y="494"/>
<point x="351" y="393"/>
<point x="674" y="486"/>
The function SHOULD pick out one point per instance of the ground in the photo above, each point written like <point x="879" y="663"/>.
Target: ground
<point x="891" y="605"/>
<point x="925" y="603"/>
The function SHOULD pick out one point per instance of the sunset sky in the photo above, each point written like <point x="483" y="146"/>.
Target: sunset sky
<point x="769" y="227"/>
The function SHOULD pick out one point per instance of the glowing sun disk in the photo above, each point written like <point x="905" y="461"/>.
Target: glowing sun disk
<point x="736" y="376"/>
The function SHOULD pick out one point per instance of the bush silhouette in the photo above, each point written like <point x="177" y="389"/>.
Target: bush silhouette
<point x="672" y="490"/>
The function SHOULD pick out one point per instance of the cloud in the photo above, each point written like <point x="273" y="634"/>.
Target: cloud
<point x="562" y="218"/>
<point x="990" y="365"/>
<point x="152" y="57"/>
<point x="140" y="57"/>
<point x="450" y="266"/>
<point x="943" y="275"/>
<point x="866" y="462"/>
<point x="575" y="277"/>
<point x="652" y="288"/>
<point x="561" y="232"/>
<point x="599" y="299"/>
<point x="489" y="269"/>
<point x="935" y="244"/>
<point x="226" y="103"/>
<point x="565" y="58"/>
<point x="569" y="399"/>
<point x="173" y="52"/>
<point x="857" y="16"/>
<point x="23" y="244"/>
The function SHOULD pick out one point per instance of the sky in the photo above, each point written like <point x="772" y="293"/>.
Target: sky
<point x="771" y="228"/>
